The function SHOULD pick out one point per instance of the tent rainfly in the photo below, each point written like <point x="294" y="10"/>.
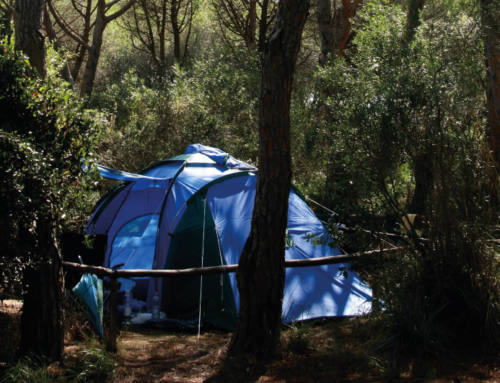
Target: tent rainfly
<point x="195" y="210"/>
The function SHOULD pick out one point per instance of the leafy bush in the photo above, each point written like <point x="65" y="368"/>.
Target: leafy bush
<point x="395" y="105"/>
<point x="44" y="134"/>
<point x="214" y="102"/>
<point x="94" y="365"/>
<point x="28" y="369"/>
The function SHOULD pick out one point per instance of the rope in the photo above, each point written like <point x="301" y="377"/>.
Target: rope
<point x="321" y="206"/>
<point x="202" y="264"/>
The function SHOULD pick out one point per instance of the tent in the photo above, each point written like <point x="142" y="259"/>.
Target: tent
<point x="195" y="209"/>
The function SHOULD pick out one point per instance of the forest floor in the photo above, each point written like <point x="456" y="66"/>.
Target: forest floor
<point x="336" y="350"/>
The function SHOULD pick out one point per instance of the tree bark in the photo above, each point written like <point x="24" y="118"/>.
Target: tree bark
<point x="174" y="13"/>
<point x="261" y="270"/>
<point x="252" y="23"/>
<point x="94" y="51"/>
<point x="42" y="331"/>
<point x="335" y="29"/>
<point x="490" y="14"/>
<point x="413" y="18"/>
<point x="423" y="169"/>
<point x="29" y="37"/>
<point x="101" y="21"/>
<point x="324" y="14"/>
<point x="263" y="25"/>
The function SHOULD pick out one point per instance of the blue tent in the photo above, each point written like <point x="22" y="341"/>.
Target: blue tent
<point x="195" y="209"/>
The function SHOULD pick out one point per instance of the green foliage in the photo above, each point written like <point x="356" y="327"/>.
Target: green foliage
<point x="214" y="102"/>
<point x="94" y="365"/>
<point x="140" y="129"/>
<point x="28" y="369"/>
<point x="217" y="101"/>
<point x="393" y="104"/>
<point x="91" y="364"/>
<point x="44" y="134"/>
<point x="297" y="339"/>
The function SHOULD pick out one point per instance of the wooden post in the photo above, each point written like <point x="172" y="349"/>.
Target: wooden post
<point x="112" y="332"/>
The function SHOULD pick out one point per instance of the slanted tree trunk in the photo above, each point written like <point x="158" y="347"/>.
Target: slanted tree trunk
<point x="335" y="27"/>
<point x="82" y="50"/>
<point x="42" y="319"/>
<point x="261" y="268"/>
<point x="101" y="21"/>
<point x="94" y="51"/>
<point x="29" y="37"/>
<point x="490" y="17"/>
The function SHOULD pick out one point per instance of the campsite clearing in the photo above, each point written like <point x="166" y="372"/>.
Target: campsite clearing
<point x="334" y="350"/>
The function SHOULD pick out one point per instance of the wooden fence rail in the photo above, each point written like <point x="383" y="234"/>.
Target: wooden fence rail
<point x="113" y="274"/>
<point x="117" y="273"/>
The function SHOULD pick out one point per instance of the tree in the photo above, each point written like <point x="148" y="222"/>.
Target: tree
<point x="422" y="163"/>
<point x="29" y="34"/>
<point x="261" y="268"/>
<point x="153" y="20"/>
<point x="335" y="30"/>
<point x="490" y="17"/>
<point x="102" y="20"/>
<point x="102" y="15"/>
<point x="242" y="18"/>
<point x="79" y="13"/>
<point x="51" y="34"/>
<point x="43" y="136"/>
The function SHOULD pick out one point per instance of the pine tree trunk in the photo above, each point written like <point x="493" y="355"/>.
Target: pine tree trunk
<point x="29" y="37"/>
<point x="252" y="23"/>
<point x="324" y="14"/>
<point x="413" y="18"/>
<point x="424" y="182"/>
<point x="94" y="51"/>
<point x="42" y="319"/>
<point x="263" y="25"/>
<point x="261" y="273"/>
<point x="176" y="32"/>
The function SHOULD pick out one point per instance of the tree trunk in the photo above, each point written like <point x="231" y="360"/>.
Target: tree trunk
<point x="28" y="17"/>
<point x="342" y="25"/>
<point x="42" y="318"/>
<point x="174" y="13"/>
<point x="263" y="24"/>
<point x="94" y="51"/>
<point x="252" y="23"/>
<point x="424" y="182"/>
<point x="335" y="30"/>
<point x="324" y="13"/>
<point x="490" y="14"/>
<point x="82" y="49"/>
<point x="261" y="268"/>
<point x="413" y="18"/>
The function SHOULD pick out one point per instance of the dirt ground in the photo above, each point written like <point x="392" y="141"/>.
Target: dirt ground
<point x="321" y="351"/>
